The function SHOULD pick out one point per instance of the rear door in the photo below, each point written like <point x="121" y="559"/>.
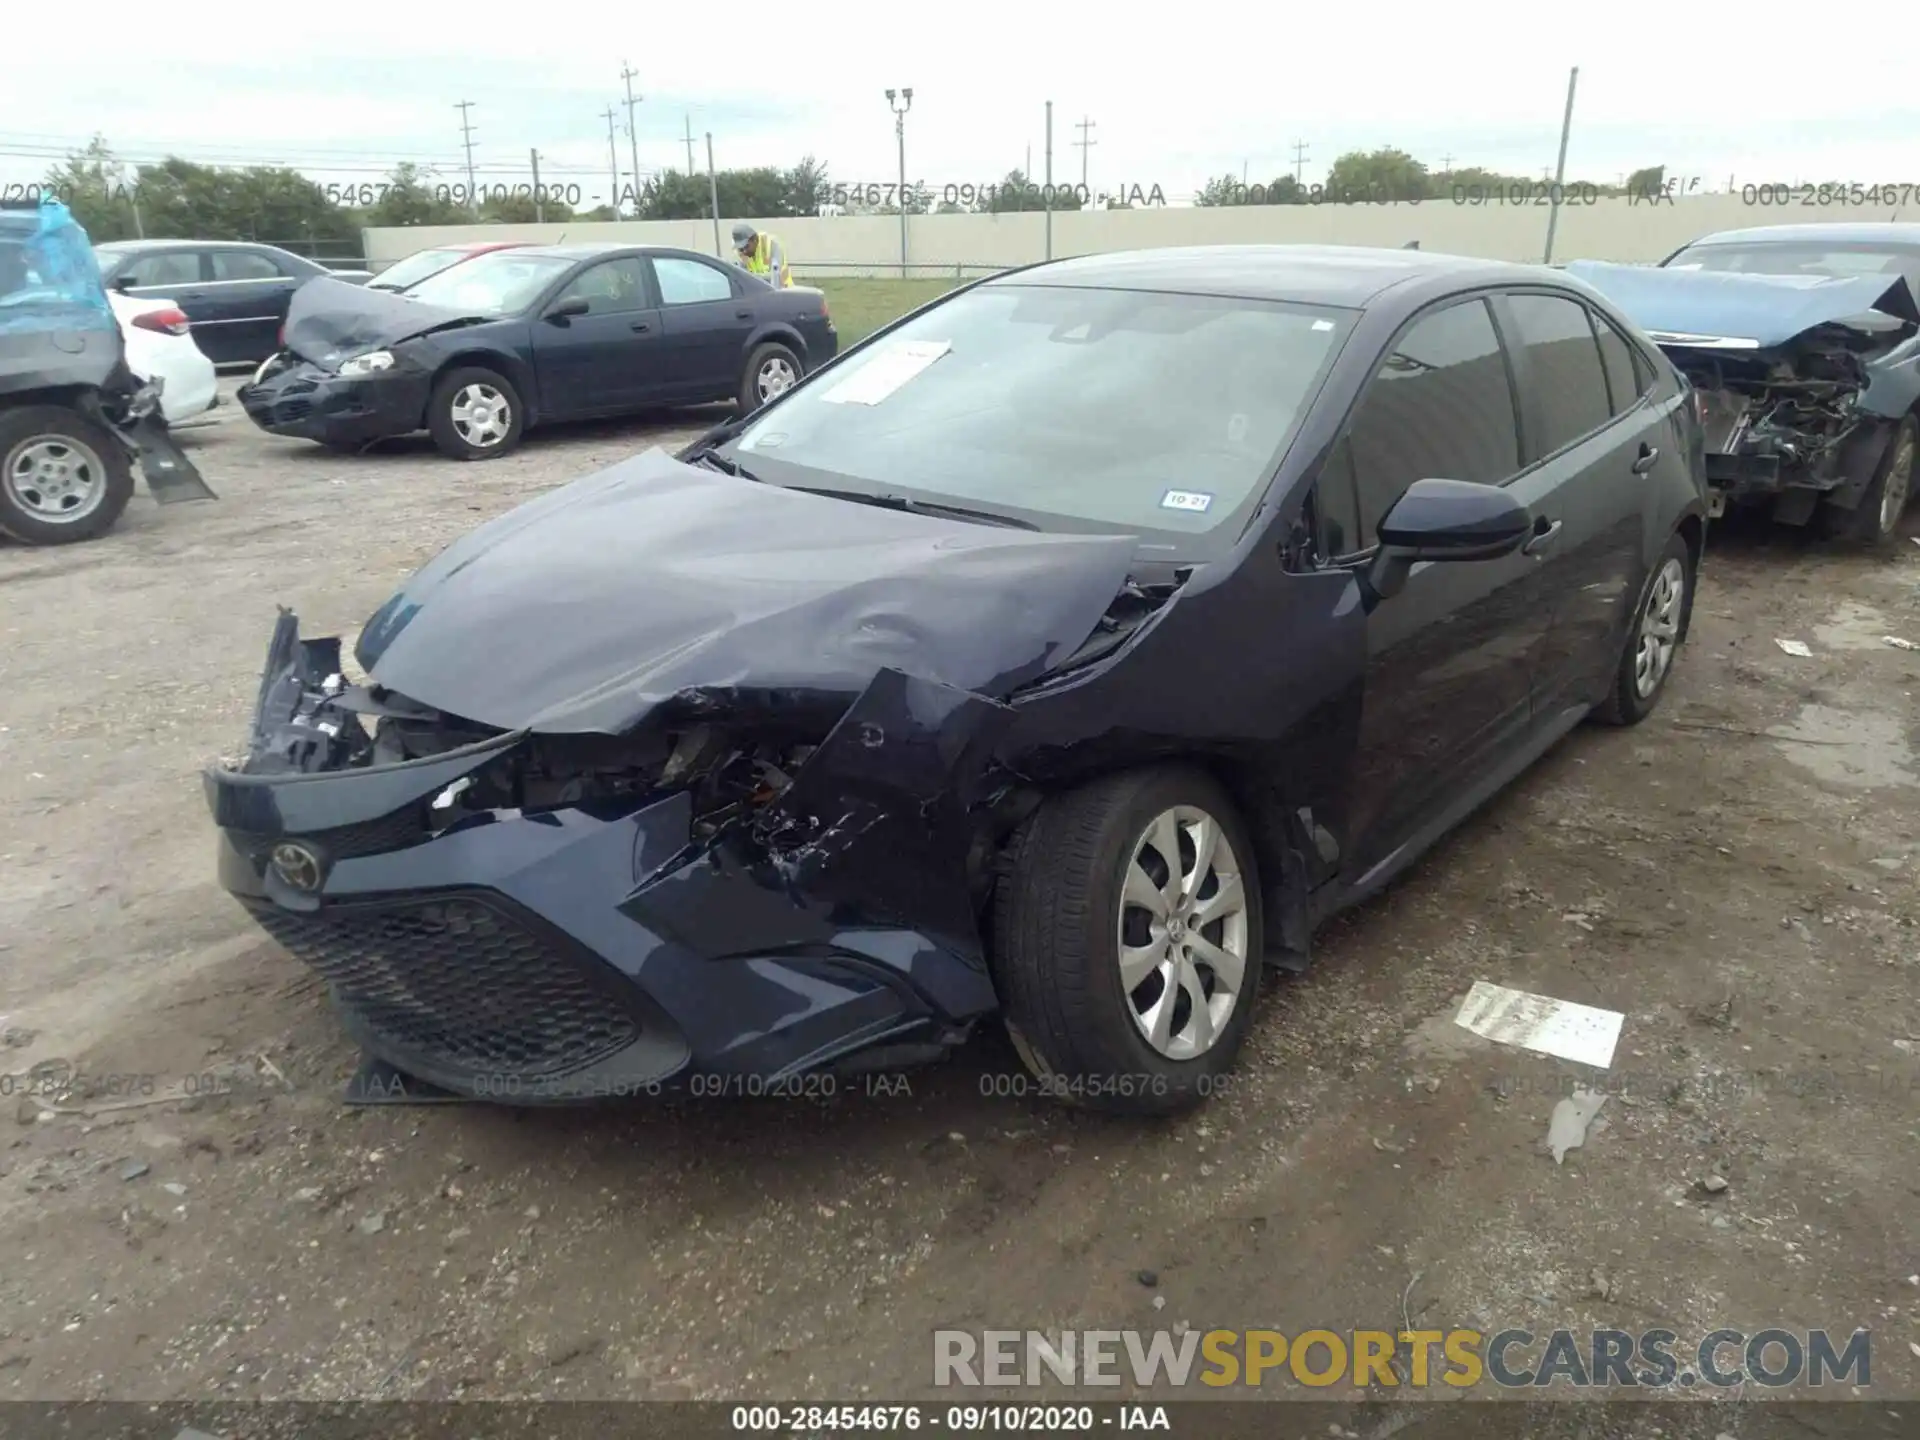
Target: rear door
<point x="707" y="327"/>
<point x="608" y="359"/>
<point x="1450" y="658"/>
<point x="247" y="293"/>
<point x="1588" y="455"/>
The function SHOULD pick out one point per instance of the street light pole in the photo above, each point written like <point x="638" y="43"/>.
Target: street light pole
<point x="1560" y="169"/>
<point x="900" y="102"/>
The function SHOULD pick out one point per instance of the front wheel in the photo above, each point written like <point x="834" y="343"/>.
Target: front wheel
<point x="1875" y="521"/>
<point x="1127" y="941"/>
<point x="475" y="414"/>
<point x="1653" y="640"/>
<point x="772" y="370"/>
<point x="63" y="477"/>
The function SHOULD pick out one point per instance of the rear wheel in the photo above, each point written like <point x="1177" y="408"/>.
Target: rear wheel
<point x="1653" y="640"/>
<point x="475" y="414"/>
<point x="63" y="477"/>
<point x="772" y="370"/>
<point x="1127" y="941"/>
<point x="1876" y="519"/>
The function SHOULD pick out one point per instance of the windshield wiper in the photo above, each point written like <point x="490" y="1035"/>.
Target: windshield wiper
<point x="919" y="507"/>
<point x="713" y="460"/>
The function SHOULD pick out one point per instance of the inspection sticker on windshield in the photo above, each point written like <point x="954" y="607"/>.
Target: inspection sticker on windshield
<point x="891" y="367"/>
<point x="1195" y="501"/>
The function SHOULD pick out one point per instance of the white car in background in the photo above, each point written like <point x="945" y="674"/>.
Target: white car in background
<point x="160" y="347"/>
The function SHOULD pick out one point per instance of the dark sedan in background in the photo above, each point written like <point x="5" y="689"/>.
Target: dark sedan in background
<point x="235" y="294"/>
<point x="532" y="335"/>
<point x="1064" y="651"/>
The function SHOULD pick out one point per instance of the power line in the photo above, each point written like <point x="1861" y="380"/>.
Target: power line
<point x="689" y="144"/>
<point x="1299" y="159"/>
<point x="1086" y="143"/>
<point x="627" y="74"/>
<point x="466" y="136"/>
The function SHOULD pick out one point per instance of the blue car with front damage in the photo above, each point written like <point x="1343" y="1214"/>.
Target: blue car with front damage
<point x="1064" y="652"/>
<point x="1803" y="345"/>
<point x="480" y="352"/>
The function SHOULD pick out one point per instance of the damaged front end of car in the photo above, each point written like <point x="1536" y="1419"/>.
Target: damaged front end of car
<point x="1799" y="380"/>
<point x="600" y="888"/>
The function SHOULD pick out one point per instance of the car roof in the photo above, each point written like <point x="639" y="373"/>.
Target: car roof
<point x="169" y="244"/>
<point x="477" y="246"/>
<point x="1339" y="275"/>
<point x="587" y="249"/>
<point x="1859" y="232"/>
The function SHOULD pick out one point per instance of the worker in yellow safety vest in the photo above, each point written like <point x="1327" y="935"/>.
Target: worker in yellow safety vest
<point x="762" y="254"/>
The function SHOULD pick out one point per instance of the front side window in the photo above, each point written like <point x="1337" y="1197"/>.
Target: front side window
<point x="689" y="282"/>
<point x="1569" y="386"/>
<point x="1440" y="407"/>
<point x="1138" y="412"/>
<point x="613" y="287"/>
<point x="503" y="283"/>
<point x="171" y="267"/>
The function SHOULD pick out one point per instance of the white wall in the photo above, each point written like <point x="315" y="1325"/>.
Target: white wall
<point x="823" y="247"/>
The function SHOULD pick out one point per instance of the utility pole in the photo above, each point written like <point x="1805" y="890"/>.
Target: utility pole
<point x="689" y="144"/>
<point x="1560" y="169"/>
<point x="627" y="73"/>
<point x="713" y="194"/>
<point x="613" y="164"/>
<point x="1299" y="160"/>
<point x="1086" y="143"/>
<point x="539" y="200"/>
<point x="1046" y="193"/>
<point x="466" y="137"/>
<point x="1446" y="164"/>
<point x="900" y="106"/>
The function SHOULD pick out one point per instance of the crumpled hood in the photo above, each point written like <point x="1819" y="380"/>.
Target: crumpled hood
<point x="1681" y="307"/>
<point x="584" y="609"/>
<point x="329" y="320"/>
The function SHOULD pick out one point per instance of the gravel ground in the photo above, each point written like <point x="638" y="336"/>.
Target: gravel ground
<point x="1740" y="876"/>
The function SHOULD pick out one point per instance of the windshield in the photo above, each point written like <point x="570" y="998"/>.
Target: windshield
<point x="1108" y="410"/>
<point x="415" y="268"/>
<point x="504" y="282"/>
<point x="1798" y="258"/>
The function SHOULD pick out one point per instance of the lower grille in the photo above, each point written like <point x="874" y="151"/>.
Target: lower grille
<point x="460" y="982"/>
<point x="289" y="410"/>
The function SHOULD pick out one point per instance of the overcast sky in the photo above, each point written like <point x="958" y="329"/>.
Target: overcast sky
<point x="1201" y="88"/>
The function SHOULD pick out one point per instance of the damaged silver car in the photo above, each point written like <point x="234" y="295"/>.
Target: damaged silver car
<point x="1803" y="345"/>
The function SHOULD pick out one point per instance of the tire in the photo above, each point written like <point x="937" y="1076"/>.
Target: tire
<point x="63" y="477"/>
<point x="771" y="370"/>
<point x="1660" y="618"/>
<point x="460" y="388"/>
<point x="1057" y="930"/>
<point x="1875" y="521"/>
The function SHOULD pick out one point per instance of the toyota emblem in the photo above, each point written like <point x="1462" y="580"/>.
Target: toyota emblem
<point x="298" y="866"/>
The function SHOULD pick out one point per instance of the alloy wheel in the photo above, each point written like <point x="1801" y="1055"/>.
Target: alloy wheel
<point x="776" y="377"/>
<point x="1897" y="487"/>
<point x="1183" y="932"/>
<point x="1659" y="628"/>
<point x="56" y="478"/>
<point x="481" y="415"/>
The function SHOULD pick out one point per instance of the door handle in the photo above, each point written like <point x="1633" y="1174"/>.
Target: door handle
<point x="1648" y="454"/>
<point x="743" y="314"/>
<point x="1544" y="534"/>
<point x="641" y="325"/>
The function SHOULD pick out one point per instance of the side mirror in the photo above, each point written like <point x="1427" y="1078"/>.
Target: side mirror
<point x="567" y="309"/>
<point x="123" y="283"/>
<point x="1444" y="520"/>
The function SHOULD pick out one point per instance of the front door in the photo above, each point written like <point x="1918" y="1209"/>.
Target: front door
<point x="707" y="327"/>
<point x="245" y="301"/>
<point x="607" y="360"/>
<point x="1450" y="658"/>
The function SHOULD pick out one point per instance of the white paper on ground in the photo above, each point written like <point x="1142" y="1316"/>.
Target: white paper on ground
<point x="886" y="372"/>
<point x="1796" y="647"/>
<point x="1541" y="1023"/>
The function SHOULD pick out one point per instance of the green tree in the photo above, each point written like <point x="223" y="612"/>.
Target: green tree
<point x="93" y="183"/>
<point x="1018" y="192"/>
<point x="761" y="193"/>
<point x="1386" y="174"/>
<point x="515" y="209"/>
<point x="807" y="187"/>
<point x="598" y="212"/>
<point x="1649" y="180"/>
<point x="409" y="199"/>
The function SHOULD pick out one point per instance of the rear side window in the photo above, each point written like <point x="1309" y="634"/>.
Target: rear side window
<point x="243" y="265"/>
<point x="1570" y="387"/>
<point x="688" y="282"/>
<point x="1440" y="407"/>
<point x="1626" y="379"/>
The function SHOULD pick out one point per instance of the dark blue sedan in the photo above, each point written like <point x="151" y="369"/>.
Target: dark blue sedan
<point x="534" y="336"/>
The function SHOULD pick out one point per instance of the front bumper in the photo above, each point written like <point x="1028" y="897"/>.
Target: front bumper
<point x="581" y="953"/>
<point x="305" y="402"/>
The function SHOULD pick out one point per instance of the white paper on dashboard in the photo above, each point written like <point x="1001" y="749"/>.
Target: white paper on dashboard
<point x="887" y="371"/>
